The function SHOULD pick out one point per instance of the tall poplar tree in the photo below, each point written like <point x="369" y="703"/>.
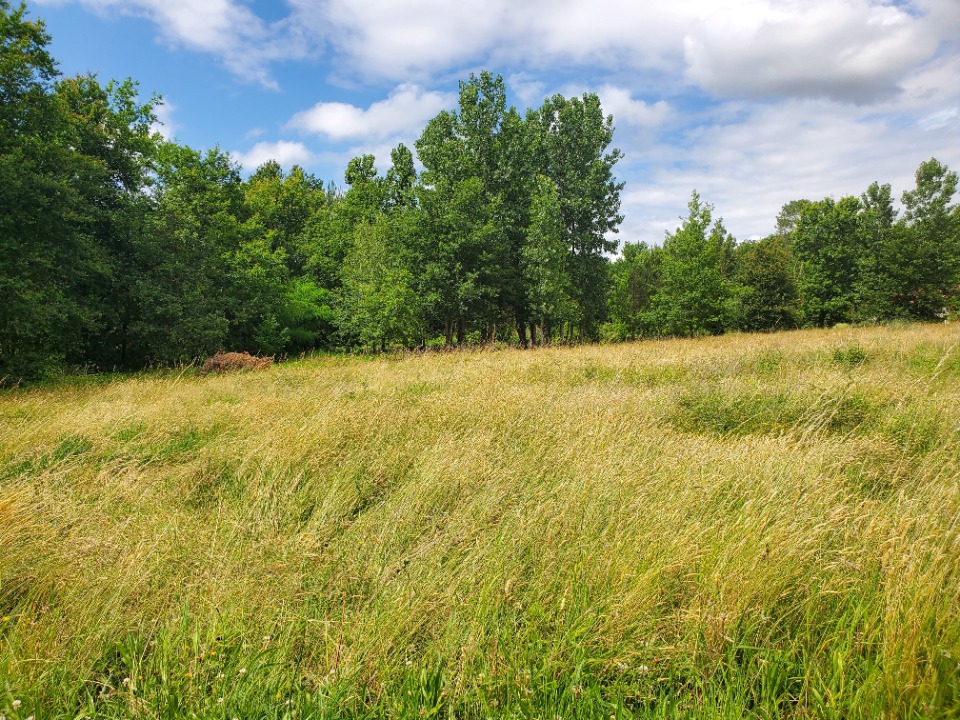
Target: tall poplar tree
<point x="571" y="140"/>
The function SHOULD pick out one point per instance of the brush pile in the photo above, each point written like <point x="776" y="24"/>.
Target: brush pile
<point x="230" y="361"/>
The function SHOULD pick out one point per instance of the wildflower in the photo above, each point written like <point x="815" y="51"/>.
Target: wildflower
<point x="126" y="681"/>
<point x="15" y="704"/>
<point x="644" y="670"/>
<point x="220" y="676"/>
<point x="242" y="671"/>
<point x="266" y="638"/>
<point x="6" y="618"/>
<point x="219" y="701"/>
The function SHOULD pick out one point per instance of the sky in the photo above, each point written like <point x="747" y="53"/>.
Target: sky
<point x="753" y="103"/>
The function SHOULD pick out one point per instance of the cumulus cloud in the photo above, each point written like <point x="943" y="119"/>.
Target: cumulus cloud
<point x="750" y="165"/>
<point x="405" y="111"/>
<point x="626" y="110"/>
<point x="852" y="50"/>
<point x="284" y="152"/>
<point x="402" y="39"/>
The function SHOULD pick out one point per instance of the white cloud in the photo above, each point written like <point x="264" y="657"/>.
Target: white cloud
<point x="941" y="119"/>
<point x="403" y="39"/>
<point x="284" y="152"/>
<point x="405" y="111"/>
<point x="749" y="167"/>
<point x="227" y="29"/>
<point x="852" y="50"/>
<point x="528" y="90"/>
<point x="626" y="110"/>
<point x="164" y="124"/>
<point x="855" y="50"/>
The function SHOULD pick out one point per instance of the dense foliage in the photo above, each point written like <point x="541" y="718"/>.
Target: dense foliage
<point x="119" y="249"/>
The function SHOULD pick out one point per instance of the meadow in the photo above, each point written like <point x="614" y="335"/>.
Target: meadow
<point x="744" y="526"/>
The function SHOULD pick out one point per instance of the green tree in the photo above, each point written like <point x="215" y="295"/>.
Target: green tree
<point x="73" y="159"/>
<point x="636" y="277"/>
<point x="696" y="296"/>
<point x="112" y="131"/>
<point x="182" y="292"/>
<point x="879" y="275"/>
<point x="329" y="235"/>
<point x="828" y="245"/>
<point x="456" y="247"/>
<point x="930" y="243"/>
<point x="279" y="206"/>
<point x="546" y="262"/>
<point x="379" y="300"/>
<point x="463" y="246"/>
<point x="571" y="138"/>
<point x="765" y="274"/>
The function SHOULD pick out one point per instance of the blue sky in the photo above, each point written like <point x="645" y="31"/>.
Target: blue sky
<point x="752" y="102"/>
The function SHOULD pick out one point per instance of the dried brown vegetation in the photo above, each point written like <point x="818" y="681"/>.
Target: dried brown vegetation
<point x="232" y="361"/>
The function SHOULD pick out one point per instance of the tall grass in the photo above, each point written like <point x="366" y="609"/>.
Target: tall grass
<point x="746" y="526"/>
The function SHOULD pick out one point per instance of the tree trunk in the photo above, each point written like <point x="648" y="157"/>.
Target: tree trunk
<point x="522" y="334"/>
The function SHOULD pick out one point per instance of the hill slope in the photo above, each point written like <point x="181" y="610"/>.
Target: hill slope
<point x="720" y="527"/>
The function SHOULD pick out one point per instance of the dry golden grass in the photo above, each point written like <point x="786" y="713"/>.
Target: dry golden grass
<point x="742" y="525"/>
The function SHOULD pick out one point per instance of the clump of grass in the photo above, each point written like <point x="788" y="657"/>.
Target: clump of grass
<point x="723" y="528"/>
<point x="849" y="356"/>
<point x="769" y="362"/>
<point x="712" y="409"/>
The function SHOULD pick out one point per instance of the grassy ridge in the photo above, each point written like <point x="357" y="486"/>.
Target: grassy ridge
<point x="743" y="526"/>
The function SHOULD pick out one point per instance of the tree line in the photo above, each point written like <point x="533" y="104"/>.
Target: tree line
<point x="852" y="260"/>
<point x="120" y="249"/>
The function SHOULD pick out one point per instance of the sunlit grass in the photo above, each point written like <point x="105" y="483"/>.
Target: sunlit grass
<point x="742" y="526"/>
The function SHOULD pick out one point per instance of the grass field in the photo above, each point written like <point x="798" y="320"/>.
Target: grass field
<point x="744" y="526"/>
